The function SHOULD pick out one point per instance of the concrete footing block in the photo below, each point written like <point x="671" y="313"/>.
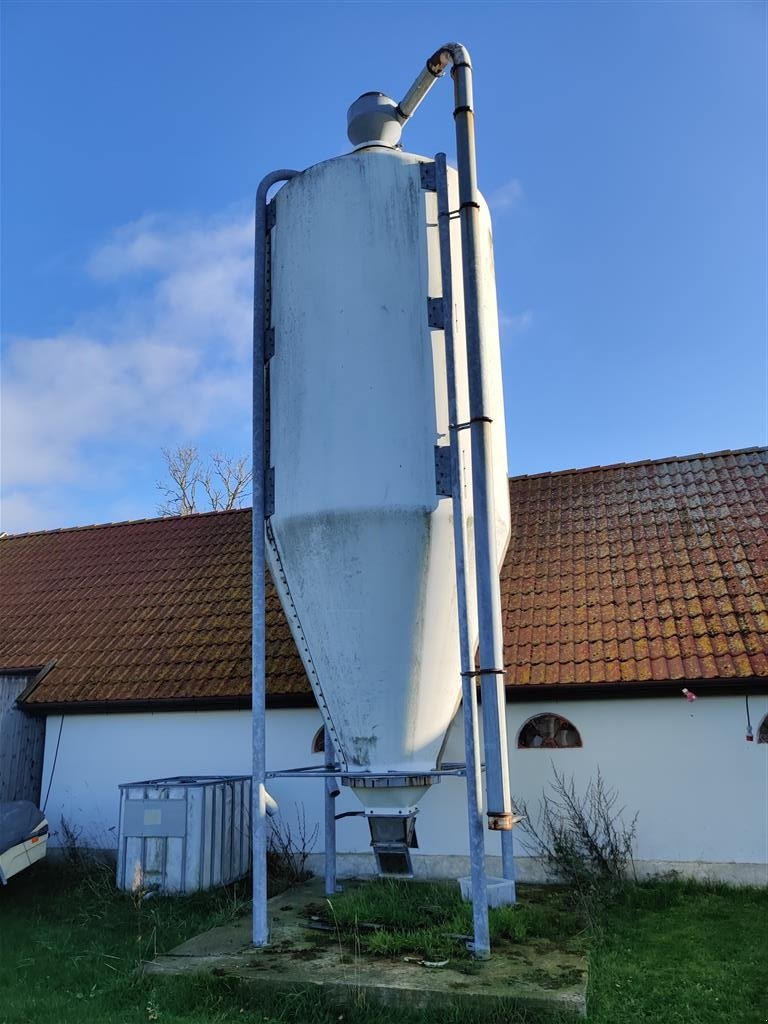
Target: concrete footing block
<point x="501" y="891"/>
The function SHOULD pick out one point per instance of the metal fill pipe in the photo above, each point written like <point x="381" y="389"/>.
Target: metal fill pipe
<point x="481" y="946"/>
<point x="491" y="648"/>
<point x="434" y="69"/>
<point x="258" y="593"/>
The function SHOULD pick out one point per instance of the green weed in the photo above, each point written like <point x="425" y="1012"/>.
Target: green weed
<point x="389" y="917"/>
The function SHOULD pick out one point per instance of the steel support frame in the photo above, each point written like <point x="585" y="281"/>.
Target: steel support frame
<point x="260" y="931"/>
<point x="334" y="770"/>
<point x="331" y="792"/>
<point x="329" y="773"/>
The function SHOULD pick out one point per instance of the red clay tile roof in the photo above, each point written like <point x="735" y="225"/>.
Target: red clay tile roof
<point x="638" y="573"/>
<point x="158" y="609"/>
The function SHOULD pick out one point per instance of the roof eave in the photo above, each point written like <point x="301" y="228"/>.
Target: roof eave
<point x="515" y="693"/>
<point x="518" y="692"/>
<point x="109" y="707"/>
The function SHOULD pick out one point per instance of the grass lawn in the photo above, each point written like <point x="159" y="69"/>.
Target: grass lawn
<point x="668" y="953"/>
<point x="430" y="920"/>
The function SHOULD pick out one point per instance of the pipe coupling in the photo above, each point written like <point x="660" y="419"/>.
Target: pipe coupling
<point x="501" y="822"/>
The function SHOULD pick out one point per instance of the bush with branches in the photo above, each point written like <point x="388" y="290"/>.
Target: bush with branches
<point x="288" y="849"/>
<point x="582" y="836"/>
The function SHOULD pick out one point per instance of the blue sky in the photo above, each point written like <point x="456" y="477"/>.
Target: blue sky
<point x="622" y="147"/>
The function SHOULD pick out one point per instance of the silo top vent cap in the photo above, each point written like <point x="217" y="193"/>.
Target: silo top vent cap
<point x="372" y="120"/>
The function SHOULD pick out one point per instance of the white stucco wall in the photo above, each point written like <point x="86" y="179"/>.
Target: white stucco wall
<point x="700" y="790"/>
<point x="99" y="752"/>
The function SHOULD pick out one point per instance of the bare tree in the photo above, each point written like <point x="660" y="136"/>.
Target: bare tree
<point x="219" y="484"/>
<point x="225" y="481"/>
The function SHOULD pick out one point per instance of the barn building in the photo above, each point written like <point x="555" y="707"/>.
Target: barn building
<point x="125" y="655"/>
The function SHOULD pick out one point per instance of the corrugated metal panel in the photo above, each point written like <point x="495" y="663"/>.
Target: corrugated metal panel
<point x="22" y="741"/>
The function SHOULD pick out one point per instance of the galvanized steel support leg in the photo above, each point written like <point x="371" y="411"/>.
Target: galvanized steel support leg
<point x="481" y="946"/>
<point x="258" y="642"/>
<point x="331" y="792"/>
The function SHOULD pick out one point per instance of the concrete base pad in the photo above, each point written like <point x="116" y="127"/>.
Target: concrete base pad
<point x="536" y="975"/>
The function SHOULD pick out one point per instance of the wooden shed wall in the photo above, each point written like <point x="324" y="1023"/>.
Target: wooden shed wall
<point x="22" y="741"/>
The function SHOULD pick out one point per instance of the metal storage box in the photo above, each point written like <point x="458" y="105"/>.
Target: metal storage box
<point x="183" y="834"/>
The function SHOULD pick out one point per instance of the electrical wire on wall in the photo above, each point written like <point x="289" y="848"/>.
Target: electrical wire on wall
<point x="750" y="737"/>
<point x="53" y="765"/>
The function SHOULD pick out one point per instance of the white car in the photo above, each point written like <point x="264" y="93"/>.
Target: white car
<point x="23" y="837"/>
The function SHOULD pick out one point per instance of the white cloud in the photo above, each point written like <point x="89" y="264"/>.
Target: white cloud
<point x="203" y="274"/>
<point x="22" y="511"/>
<point x="170" y="363"/>
<point x="160" y="243"/>
<point x="506" y="197"/>
<point x="516" y="323"/>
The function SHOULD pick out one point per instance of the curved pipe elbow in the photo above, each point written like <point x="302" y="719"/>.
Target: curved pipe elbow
<point x="449" y="53"/>
<point x="455" y="54"/>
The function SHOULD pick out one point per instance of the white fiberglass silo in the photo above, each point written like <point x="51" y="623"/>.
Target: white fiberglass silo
<point x="360" y="541"/>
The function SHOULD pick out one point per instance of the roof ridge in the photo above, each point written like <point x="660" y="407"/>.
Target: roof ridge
<point x="522" y="476"/>
<point x="124" y="522"/>
<point x="642" y="462"/>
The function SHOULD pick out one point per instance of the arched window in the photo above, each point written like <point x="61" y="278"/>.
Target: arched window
<point x="762" y="732"/>
<point x="550" y="732"/>
<point x="318" y="741"/>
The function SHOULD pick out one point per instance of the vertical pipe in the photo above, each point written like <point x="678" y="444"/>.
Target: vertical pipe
<point x="120" y="872"/>
<point x="240" y="857"/>
<point x="231" y="830"/>
<point x="184" y="841"/>
<point x="488" y="595"/>
<point x="258" y="635"/>
<point x="213" y="837"/>
<point x="143" y="848"/>
<point x="482" y="945"/>
<point x="248" y="846"/>
<point x="237" y="829"/>
<point x="331" y="792"/>
<point x="203" y="823"/>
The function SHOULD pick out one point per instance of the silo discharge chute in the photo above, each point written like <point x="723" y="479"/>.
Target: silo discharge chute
<point x="392" y="839"/>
